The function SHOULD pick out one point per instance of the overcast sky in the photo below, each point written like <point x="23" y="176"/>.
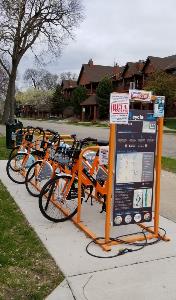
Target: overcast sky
<point x="118" y="31"/>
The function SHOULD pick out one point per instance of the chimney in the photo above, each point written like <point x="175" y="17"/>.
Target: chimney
<point x="140" y="64"/>
<point x="90" y="62"/>
<point x="116" y="70"/>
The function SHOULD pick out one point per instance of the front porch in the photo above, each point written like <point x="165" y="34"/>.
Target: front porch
<point x="89" y="110"/>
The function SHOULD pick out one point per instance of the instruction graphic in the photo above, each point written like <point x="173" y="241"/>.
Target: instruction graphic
<point x="149" y="127"/>
<point x="129" y="167"/>
<point x="142" y="198"/>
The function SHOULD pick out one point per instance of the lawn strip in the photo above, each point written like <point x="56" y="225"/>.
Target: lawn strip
<point x="4" y="152"/>
<point x="27" y="271"/>
<point x="169" y="164"/>
<point x="170" y="123"/>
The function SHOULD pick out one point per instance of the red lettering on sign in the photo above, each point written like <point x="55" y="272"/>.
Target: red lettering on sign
<point x="117" y="108"/>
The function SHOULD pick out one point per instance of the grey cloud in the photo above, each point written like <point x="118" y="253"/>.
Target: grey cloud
<point x="121" y="30"/>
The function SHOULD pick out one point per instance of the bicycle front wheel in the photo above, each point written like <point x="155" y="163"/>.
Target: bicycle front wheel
<point x="58" y="199"/>
<point x="37" y="175"/>
<point x="17" y="167"/>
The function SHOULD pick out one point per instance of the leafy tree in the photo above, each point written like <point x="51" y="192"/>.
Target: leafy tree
<point x="22" y="24"/>
<point x="163" y="84"/>
<point x="103" y="94"/>
<point x="57" y="102"/>
<point x="78" y="96"/>
<point x="36" y="98"/>
<point x="41" y="79"/>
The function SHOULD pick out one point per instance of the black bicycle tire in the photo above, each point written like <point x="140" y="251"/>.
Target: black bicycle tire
<point x="27" y="181"/>
<point x="9" y="167"/>
<point x="44" y="192"/>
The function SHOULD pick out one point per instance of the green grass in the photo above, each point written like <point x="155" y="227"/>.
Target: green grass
<point x="169" y="131"/>
<point x="169" y="164"/>
<point x="4" y="152"/>
<point x="170" y="123"/>
<point x="88" y="124"/>
<point x="27" y="271"/>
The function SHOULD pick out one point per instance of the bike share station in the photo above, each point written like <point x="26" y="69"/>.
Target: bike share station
<point x="134" y="170"/>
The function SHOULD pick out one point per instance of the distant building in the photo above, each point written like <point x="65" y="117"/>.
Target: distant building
<point x="67" y="87"/>
<point x="132" y="75"/>
<point x="90" y="75"/>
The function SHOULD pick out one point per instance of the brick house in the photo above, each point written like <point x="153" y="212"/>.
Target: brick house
<point x="68" y="86"/>
<point x="90" y="75"/>
<point x="132" y="75"/>
<point x="152" y="64"/>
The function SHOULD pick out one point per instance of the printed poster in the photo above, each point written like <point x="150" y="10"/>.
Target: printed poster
<point x="159" y="107"/>
<point x="119" y="108"/>
<point x="140" y="95"/>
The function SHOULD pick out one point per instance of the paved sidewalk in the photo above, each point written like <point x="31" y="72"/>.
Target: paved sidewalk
<point x="147" y="274"/>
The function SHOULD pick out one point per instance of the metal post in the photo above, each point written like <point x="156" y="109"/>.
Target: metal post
<point x="110" y="182"/>
<point x="158" y="175"/>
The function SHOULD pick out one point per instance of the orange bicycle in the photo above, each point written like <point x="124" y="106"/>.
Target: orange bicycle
<point x="44" y="169"/>
<point x="58" y="199"/>
<point x="27" y="153"/>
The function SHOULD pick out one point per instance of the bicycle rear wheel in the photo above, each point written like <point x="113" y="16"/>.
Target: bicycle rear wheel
<point x="58" y="199"/>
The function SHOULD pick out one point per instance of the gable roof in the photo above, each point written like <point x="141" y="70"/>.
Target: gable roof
<point x="162" y="63"/>
<point x="91" y="100"/>
<point x="68" y="84"/>
<point x="95" y="73"/>
<point x="118" y="71"/>
<point x="133" y="68"/>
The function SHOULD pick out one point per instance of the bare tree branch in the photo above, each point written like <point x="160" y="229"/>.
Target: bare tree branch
<point x="24" y="22"/>
<point x="4" y="67"/>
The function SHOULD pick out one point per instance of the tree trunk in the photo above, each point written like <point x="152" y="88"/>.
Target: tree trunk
<point x="9" y="107"/>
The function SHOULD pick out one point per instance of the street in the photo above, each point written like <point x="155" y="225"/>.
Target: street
<point x="169" y="139"/>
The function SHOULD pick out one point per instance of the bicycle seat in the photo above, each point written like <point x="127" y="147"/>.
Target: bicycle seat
<point x="39" y="128"/>
<point x="102" y="143"/>
<point x="52" y="131"/>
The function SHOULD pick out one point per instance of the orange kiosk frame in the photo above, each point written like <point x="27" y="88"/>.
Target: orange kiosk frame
<point x="153" y="231"/>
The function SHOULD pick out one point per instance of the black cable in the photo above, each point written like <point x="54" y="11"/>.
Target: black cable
<point x="120" y="252"/>
<point x="126" y="250"/>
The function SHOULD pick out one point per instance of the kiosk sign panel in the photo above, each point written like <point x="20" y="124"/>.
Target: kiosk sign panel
<point x="134" y="169"/>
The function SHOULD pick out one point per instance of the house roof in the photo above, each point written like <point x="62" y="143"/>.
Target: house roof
<point x="117" y="72"/>
<point x="162" y="63"/>
<point x="133" y="68"/>
<point x="68" y="84"/>
<point x="91" y="100"/>
<point x="94" y="73"/>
